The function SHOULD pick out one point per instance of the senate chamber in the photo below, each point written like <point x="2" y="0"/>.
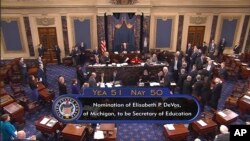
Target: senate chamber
<point x="124" y="70"/>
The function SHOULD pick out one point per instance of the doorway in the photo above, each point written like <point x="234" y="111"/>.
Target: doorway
<point x="48" y="38"/>
<point x="196" y="35"/>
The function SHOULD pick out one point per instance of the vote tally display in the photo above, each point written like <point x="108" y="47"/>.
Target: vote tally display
<point x="126" y="104"/>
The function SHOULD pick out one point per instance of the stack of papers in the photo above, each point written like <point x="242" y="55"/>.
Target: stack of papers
<point x="202" y="123"/>
<point x="109" y="85"/>
<point x="173" y="84"/>
<point x="222" y="114"/>
<point x="51" y="123"/>
<point x="154" y="84"/>
<point x="169" y="126"/>
<point x="45" y="120"/>
<point x="247" y="97"/>
<point x="98" y="135"/>
<point x="102" y="85"/>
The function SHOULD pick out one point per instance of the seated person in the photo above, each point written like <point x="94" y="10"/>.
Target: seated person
<point x="136" y="60"/>
<point x="124" y="48"/>
<point x="154" y="59"/>
<point x="105" y="59"/>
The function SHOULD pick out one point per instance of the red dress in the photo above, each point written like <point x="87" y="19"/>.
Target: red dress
<point x="136" y="60"/>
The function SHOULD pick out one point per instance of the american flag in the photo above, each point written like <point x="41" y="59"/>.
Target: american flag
<point x="103" y="46"/>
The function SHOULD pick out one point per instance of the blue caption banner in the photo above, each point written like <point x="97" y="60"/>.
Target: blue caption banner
<point x="126" y="105"/>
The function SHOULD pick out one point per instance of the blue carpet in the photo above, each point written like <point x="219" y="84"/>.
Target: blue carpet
<point x="126" y="132"/>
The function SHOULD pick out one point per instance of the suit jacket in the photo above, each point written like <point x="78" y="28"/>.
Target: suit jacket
<point x="222" y="45"/>
<point x="167" y="79"/>
<point x="199" y="63"/>
<point x="187" y="87"/>
<point x="62" y="89"/>
<point x="215" y="95"/>
<point x="197" y="88"/>
<point x="222" y="137"/>
<point x="23" y="67"/>
<point x="41" y="75"/>
<point x="40" y="51"/>
<point x="204" y="49"/>
<point x="80" y="76"/>
<point x="105" y="60"/>
<point x="181" y="79"/>
<point x="92" y="82"/>
<point x="178" y="64"/>
<point x="223" y="73"/>
<point x="57" y="51"/>
<point x="211" y="48"/>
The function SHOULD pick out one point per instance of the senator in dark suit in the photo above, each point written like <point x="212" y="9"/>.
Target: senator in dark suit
<point x="221" y="46"/>
<point x="216" y="93"/>
<point x="197" y="86"/>
<point x="92" y="80"/>
<point x="58" y="54"/>
<point x="41" y="75"/>
<point x="223" y="72"/>
<point x="24" y="72"/>
<point x="62" y="86"/>
<point x="40" y="50"/>
<point x="187" y="86"/>
<point x="181" y="78"/>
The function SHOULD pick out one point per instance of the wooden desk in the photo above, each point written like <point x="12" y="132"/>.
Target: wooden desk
<point x="44" y="93"/>
<point x="72" y="132"/>
<point x="16" y="111"/>
<point x="48" y="127"/>
<point x="203" y="130"/>
<point x="5" y="100"/>
<point x="227" y="118"/>
<point x="40" y="86"/>
<point x="179" y="133"/>
<point x="244" y="104"/>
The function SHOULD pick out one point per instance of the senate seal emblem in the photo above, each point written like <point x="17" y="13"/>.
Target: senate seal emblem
<point x="66" y="109"/>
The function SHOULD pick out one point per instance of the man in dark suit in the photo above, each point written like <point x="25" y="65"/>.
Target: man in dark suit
<point x="193" y="73"/>
<point x="216" y="93"/>
<point x="41" y="75"/>
<point x="236" y="48"/>
<point x="181" y="78"/>
<point x="204" y="48"/>
<point x="40" y="50"/>
<point x="211" y="49"/>
<point x="92" y="80"/>
<point x="223" y="72"/>
<point x="187" y="85"/>
<point x="75" y="53"/>
<point x="105" y="58"/>
<point x="197" y="86"/>
<point x="82" y="53"/>
<point x="221" y="46"/>
<point x="189" y="52"/>
<point x="200" y="61"/>
<point x="167" y="77"/>
<point x="176" y="66"/>
<point x="24" y="72"/>
<point x="58" y="54"/>
<point x="209" y="68"/>
<point x="194" y="56"/>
